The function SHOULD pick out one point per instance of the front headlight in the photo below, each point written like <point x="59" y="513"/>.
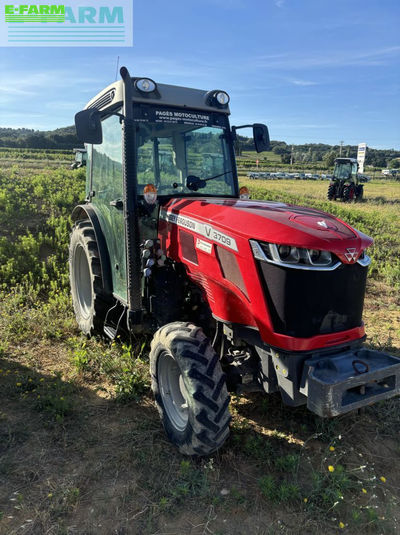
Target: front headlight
<point x="294" y="257"/>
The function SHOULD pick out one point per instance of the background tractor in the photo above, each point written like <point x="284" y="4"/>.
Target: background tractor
<point x="80" y="158"/>
<point x="239" y="295"/>
<point x="345" y="183"/>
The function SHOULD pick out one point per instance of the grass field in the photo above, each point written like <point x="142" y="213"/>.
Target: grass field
<point x="81" y="446"/>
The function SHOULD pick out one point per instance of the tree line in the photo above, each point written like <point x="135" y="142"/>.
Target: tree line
<point x="25" y="138"/>
<point x="321" y="152"/>
<point x="65" y="139"/>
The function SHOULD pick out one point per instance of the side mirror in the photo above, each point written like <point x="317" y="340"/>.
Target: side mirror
<point x="261" y="137"/>
<point x="88" y="126"/>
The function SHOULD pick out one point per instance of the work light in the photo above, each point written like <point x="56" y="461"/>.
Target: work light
<point x="222" y="98"/>
<point x="145" y="85"/>
<point x="217" y="98"/>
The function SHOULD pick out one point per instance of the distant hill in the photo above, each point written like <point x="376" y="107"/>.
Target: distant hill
<point x="61" y="138"/>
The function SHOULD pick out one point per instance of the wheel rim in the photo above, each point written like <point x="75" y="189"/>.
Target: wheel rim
<point x="83" y="281"/>
<point x="173" y="391"/>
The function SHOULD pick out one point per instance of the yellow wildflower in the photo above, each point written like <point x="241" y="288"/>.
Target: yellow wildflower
<point x="331" y="468"/>
<point x="383" y="479"/>
<point x="341" y="525"/>
<point x="305" y="500"/>
<point x="18" y="384"/>
<point x="331" y="448"/>
<point x="364" y="491"/>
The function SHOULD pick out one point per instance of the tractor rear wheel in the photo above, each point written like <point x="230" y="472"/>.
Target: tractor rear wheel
<point x="189" y="388"/>
<point x="88" y="296"/>
<point x="331" y="192"/>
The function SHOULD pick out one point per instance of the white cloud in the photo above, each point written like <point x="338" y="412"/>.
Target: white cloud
<point x="7" y="89"/>
<point x="167" y="67"/>
<point x="30" y="83"/>
<point x="344" y="58"/>
<point x="303" y="82"/>
<point x="311" y="126"/>
<point x="227" y="4"/>
<point x="68" y="105"/>
<point x="16" y="114"/>
<point x="23" y="120"/>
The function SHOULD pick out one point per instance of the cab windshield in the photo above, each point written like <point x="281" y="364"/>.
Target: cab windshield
<point x="174" y="144"/>
<point x="345" y="170"/>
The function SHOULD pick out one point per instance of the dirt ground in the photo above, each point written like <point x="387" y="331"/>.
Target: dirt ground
<point x="107" y="468"/>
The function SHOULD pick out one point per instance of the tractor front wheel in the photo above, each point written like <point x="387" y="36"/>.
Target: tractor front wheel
<point x="88" y="296"/>
<point x="349" y="193"/>
<point x="189" y="388"/>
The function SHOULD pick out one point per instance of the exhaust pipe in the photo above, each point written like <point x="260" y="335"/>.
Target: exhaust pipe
<point x="131" y="220"/>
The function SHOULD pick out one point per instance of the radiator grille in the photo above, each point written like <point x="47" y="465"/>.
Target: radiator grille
<point x="308" y="303"/>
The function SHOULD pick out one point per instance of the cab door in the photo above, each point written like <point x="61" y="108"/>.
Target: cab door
<point x="107" y="195"/>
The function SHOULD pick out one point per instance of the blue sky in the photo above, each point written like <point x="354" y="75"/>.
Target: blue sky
<point x="312" y="70"/>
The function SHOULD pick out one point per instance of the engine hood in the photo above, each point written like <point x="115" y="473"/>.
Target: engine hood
<point x="273" y="222"/>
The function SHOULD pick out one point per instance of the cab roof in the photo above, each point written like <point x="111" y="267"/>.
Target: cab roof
<point x="111" y="97"/>
<point x="345" y="160"/>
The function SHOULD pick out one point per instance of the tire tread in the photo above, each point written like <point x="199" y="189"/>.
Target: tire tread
<point x="84" y="234"/>
<point x="209" y="402"/>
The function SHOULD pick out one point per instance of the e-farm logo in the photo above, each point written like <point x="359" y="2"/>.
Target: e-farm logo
<point x="34" y="13"/>
<point x="75" y="23"/>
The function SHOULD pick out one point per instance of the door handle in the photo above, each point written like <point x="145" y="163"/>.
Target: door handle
<point x="117" y="203"/>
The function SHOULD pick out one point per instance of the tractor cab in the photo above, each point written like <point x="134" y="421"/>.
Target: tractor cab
<point x="346" y="169"/>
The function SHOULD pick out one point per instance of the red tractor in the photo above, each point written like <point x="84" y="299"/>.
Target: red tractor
<point x="240" y="295"/>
